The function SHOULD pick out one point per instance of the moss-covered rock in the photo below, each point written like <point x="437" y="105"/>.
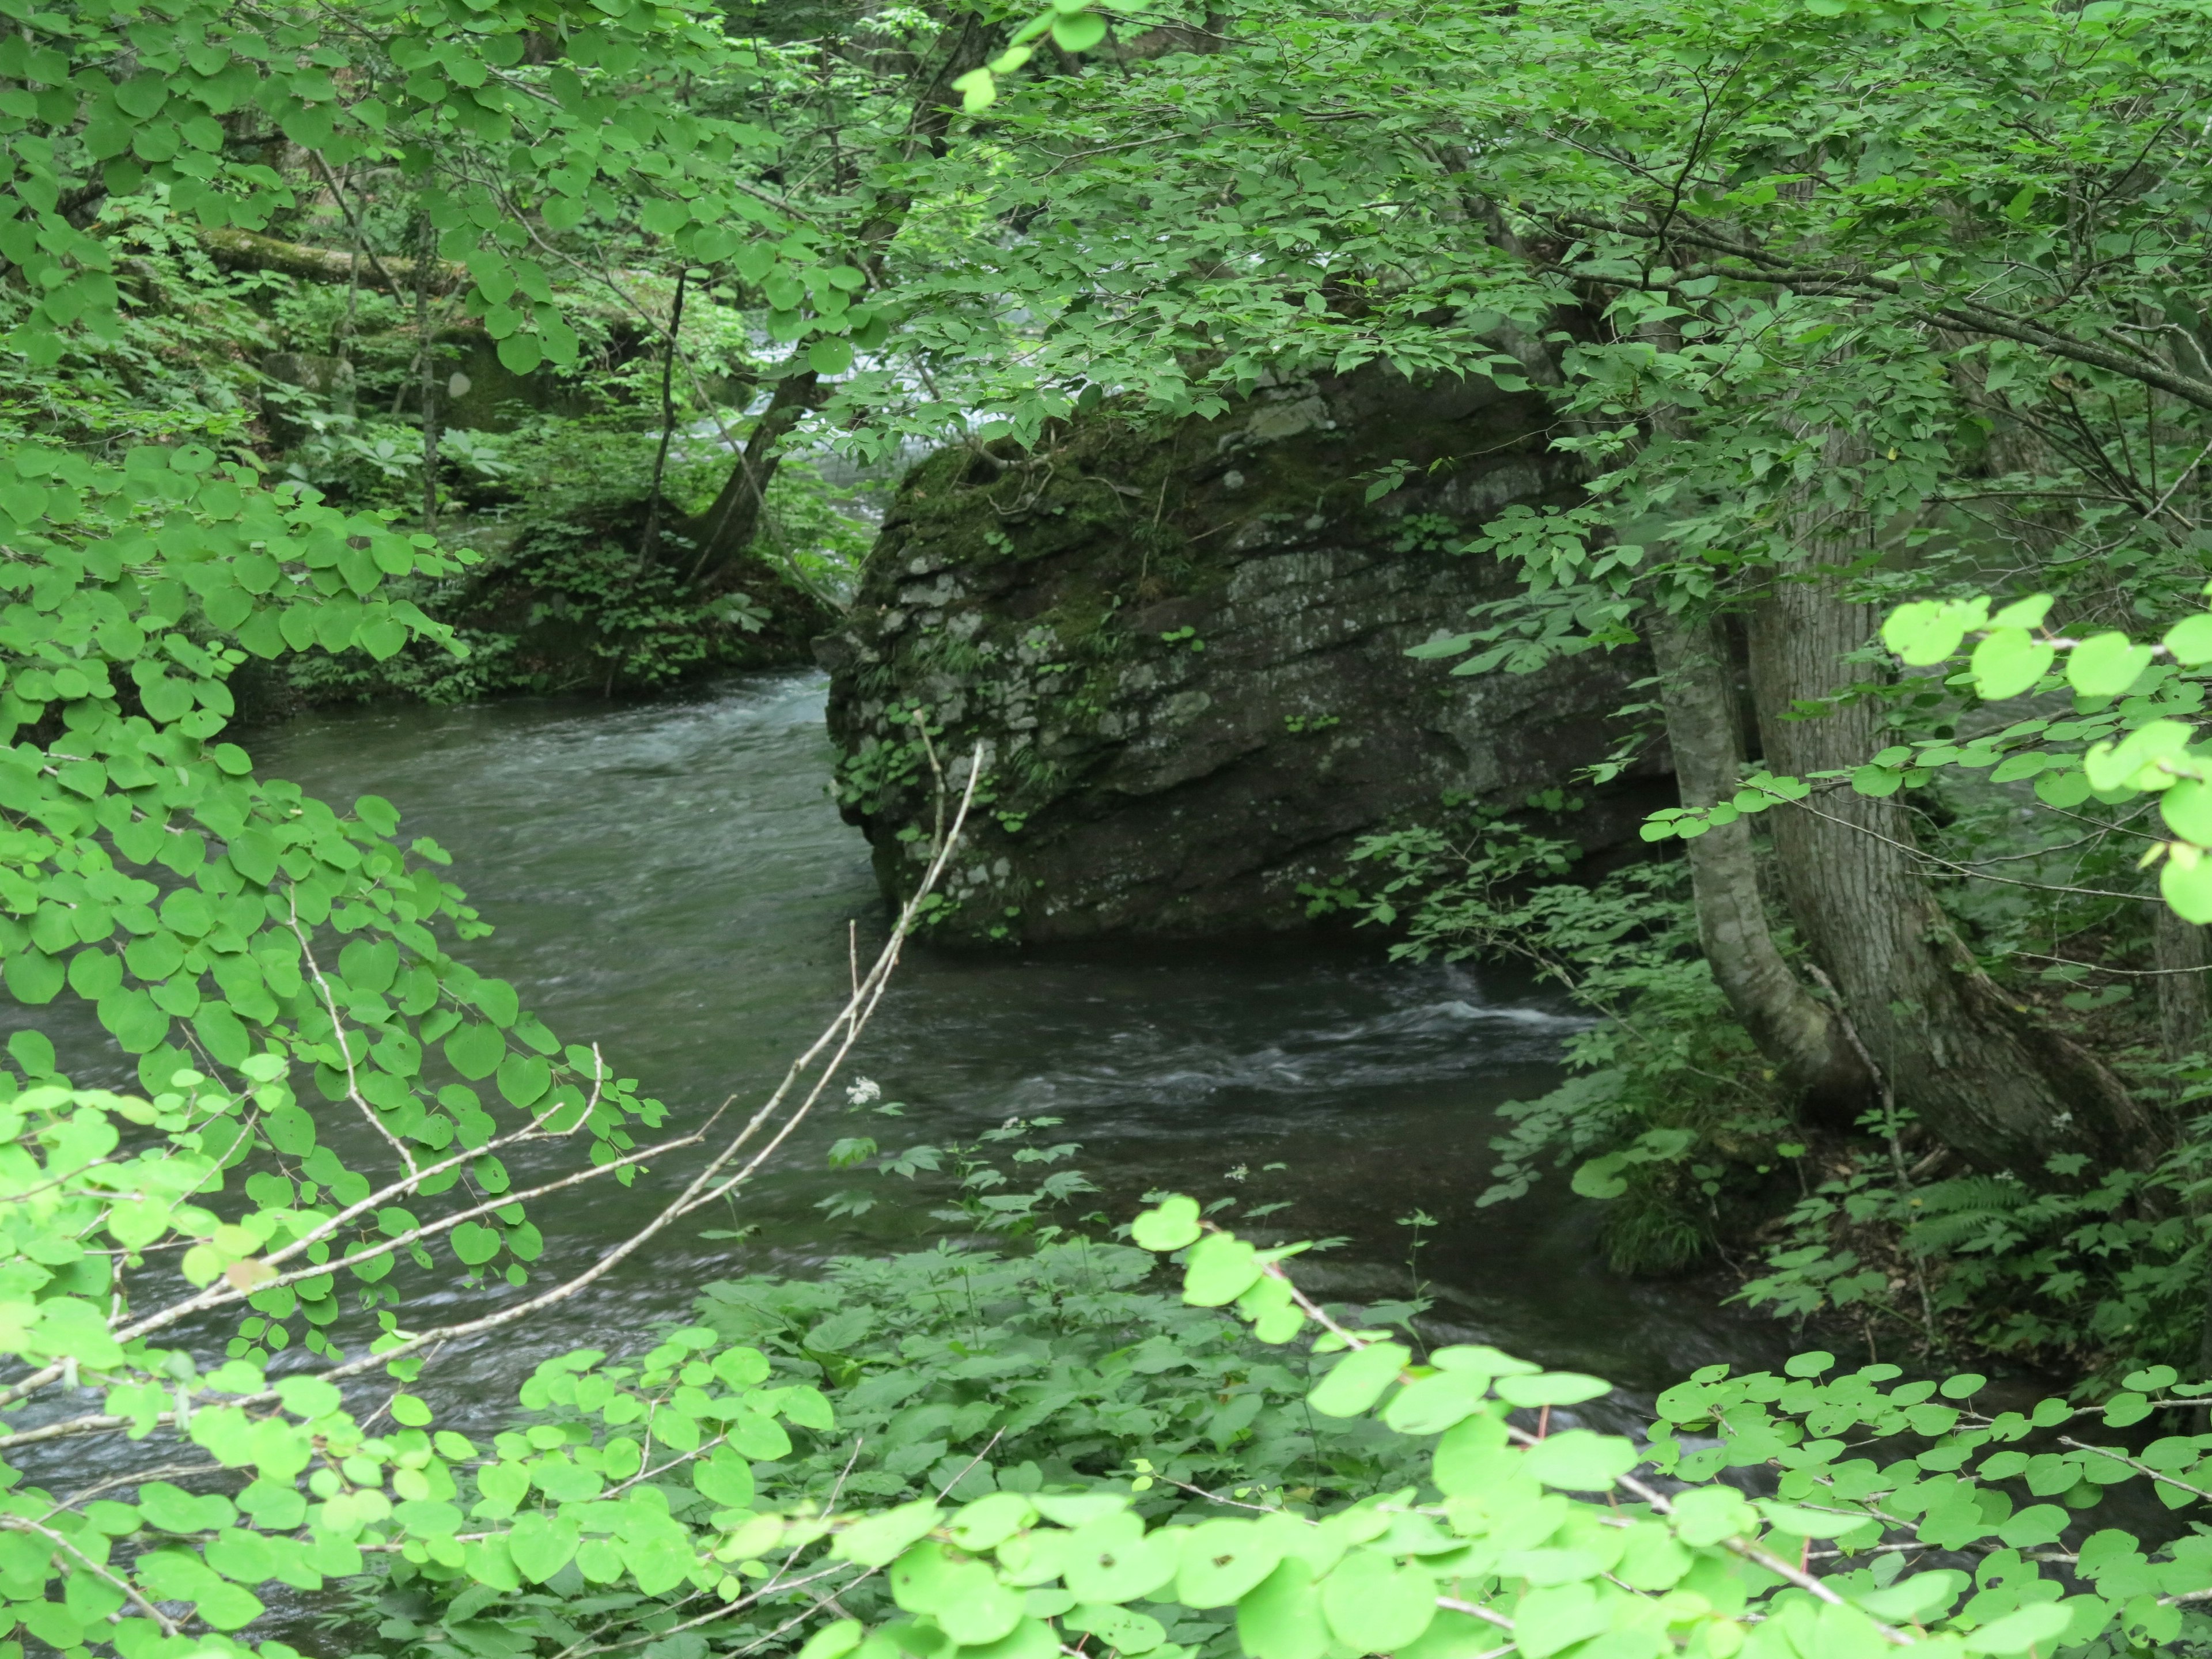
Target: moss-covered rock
<point x="571" y="608"/>
<point x="1184" y="650"/>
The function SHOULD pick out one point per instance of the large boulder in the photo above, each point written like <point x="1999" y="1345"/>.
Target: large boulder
<point x="1182" y="648"/>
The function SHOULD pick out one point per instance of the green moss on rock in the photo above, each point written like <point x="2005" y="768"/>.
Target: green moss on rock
<point x="1182" y="649"/>
<point x="567" y="608"/>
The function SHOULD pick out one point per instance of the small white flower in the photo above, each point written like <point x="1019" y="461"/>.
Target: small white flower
<point x="864" y="1092"/>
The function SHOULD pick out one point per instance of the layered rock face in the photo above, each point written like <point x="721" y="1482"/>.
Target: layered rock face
<point x="1182" y="649"/>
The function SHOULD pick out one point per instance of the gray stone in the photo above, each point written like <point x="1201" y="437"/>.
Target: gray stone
<point x="1183" y="651"/>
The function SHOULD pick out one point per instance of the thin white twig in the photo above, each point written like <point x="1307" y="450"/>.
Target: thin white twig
<point x="345" y="1048"/>
<point x="707" y="1186"/>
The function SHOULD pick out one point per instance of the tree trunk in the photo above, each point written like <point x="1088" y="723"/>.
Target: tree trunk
<point x="650" y="539"/>
<point x="246" y="250"/>
<point x="728" y="527"/>
<point x="1986" y="1077"/>
<point x="2178" y="950"/>
<point x="428" y="348"/>
<point x="719" y="537"/>
<point x="1810" y="1051"/>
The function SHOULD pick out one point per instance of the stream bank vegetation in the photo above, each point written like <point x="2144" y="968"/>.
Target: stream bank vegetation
<point x="1878" y="328"/>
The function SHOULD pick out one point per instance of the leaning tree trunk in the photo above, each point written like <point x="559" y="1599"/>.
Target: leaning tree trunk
<point x="718" y="541"/>
<point x="723" y="535"/>
<point x="1986" y="1075"/>
<point x="1810" y="1050"/>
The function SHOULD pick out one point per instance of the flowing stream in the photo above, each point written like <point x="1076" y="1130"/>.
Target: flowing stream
<point x="670" y="880"/>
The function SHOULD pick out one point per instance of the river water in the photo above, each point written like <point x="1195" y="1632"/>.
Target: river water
<point x="670" y="880"/>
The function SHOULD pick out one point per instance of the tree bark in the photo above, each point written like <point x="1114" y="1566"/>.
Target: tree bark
<point x="1985" y="1076"/>
<point x="1807" y="1044"/>
<point x="427" y="348"/>
<point x="650" y="539"/>
<point x="719" y="537"/>
<point x="2178" y="950"/>
<point x="727" y="528"/>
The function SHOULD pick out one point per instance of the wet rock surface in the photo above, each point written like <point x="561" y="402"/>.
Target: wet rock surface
<point x="1182" y="648"/>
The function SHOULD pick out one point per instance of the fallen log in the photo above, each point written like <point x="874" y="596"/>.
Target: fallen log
<point x="246" y="250"/>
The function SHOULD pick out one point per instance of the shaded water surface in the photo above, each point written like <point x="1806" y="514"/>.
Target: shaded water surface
<point x="671" y="881"/>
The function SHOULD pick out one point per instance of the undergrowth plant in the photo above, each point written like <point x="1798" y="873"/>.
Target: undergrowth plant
<point x="984" y="1200"/>
<point x="2097" y="1269"/>
<point x="2104" y="1265"/>
<point x="1665" y="1110"/>
<point x="561" y="609"/>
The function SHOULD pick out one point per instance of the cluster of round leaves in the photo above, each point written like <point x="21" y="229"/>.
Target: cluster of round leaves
<point x="516" y="122"/>
<point x="2015" y="652"/>
<point x="1537" y="1541"/>
<point x="2133" y="731"/>
<point x="132" y="100"/>
<point x="554" y="1494"/>
<point x="216" y="922"/>
<point x="1072" y="29"/>
<point x="77" y="1198"/>
<point x="1530" y="1533"/>
<point x="97" y="1182"/>
<point x="314" y="1486"/>
<point x="98" y="1570"/>
<point x="2001" y="1495"/>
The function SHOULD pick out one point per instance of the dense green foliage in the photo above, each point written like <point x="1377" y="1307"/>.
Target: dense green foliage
<point x="692" y="1495"/>
<point x="414" y="352"/>
<point x="1866" y="300"/>
<point x="1841" y="302"/>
